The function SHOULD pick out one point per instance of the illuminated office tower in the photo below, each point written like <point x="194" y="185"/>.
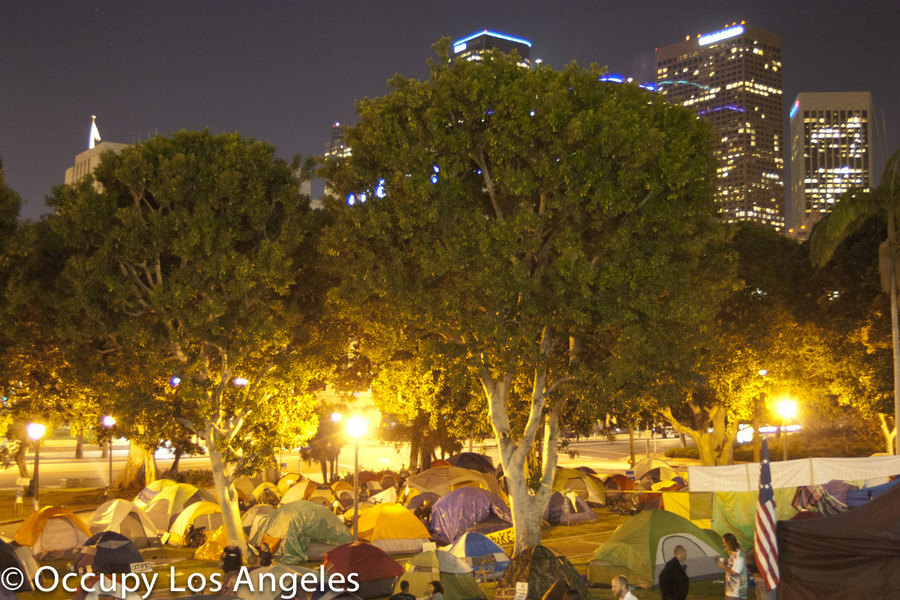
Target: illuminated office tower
<point x="831" y="136"/>
<point x="336" y="148"/>
<point x="474" y="46"/>
<point x="732" y="79"/>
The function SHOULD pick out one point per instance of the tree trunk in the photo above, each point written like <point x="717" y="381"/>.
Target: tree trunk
<point x="632" y="460"/>
<point x="104" y="449"/>
<point x="895" y="337"/>
<point x="413" y="453"/>
<point x="757" y="423"/>
<point x="138" y="458"/>
<point x="323" y="463"/>
<point x="228" y="498"/>
<point x="79" y="447"/>
<point x="21" y="458"/>
<point x="176" y="461"/>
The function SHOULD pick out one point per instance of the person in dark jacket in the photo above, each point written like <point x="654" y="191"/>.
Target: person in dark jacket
<point x="673" y="579"/>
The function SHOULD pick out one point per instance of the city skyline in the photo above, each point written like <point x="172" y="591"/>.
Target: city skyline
<point x="287" y="72"/>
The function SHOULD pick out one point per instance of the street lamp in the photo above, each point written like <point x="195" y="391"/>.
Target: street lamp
<point x="356" y="428"/>
<point x="788" y="410"/>
<point x="35" y="432"/>
<point x="108" y="422"/>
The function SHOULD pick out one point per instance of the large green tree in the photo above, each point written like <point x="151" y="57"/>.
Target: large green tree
<point x="190" y="272"/>
<point x="853" y="209"/>
<point x="514" y="214"/>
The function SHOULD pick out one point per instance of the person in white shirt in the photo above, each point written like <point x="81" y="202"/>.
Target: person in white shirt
<point x="735" y="569"/>
<point x="620" y="588"/>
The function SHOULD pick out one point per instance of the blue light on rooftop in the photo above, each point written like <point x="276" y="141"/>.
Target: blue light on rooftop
<point x="501" y="36"/>
<point x="794" y="109"/>
<point x="718" y="36"/>
<point x="718" y="108"/>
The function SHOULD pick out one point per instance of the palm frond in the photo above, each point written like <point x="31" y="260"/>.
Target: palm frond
<point x="851" y="211"/>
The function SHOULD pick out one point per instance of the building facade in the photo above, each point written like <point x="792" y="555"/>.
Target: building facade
<point x="732" y="79"/>
<point x="87" y="161"/>
<point x="476" y="45"/>
<point x="831" y="137"/>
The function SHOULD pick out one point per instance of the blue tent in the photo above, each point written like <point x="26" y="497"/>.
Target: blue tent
<point x="863" y="495"/>
<point x="487" y="559"/>
<point x="463" y="508"/>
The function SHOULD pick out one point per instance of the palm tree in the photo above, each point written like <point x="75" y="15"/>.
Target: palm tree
<point x="851" y="211"/>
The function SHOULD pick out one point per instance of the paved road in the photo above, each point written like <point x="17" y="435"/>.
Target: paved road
<point x="57" y="462"/>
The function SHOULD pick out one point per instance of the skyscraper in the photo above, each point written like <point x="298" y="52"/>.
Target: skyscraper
<point x="732" y="78"/>
<point x="336" y="148"/>
<point x="474" y="46"/>
<point x="831" y="136"/>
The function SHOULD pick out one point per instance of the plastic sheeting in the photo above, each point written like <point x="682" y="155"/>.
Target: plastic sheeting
<point x="792" y="473"/>
<point x="459" y="510"/>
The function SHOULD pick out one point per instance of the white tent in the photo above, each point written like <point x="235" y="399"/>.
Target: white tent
<point x="124" y="517"/>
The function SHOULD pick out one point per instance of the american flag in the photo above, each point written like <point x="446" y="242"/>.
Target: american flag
<point x="765" y="545"/>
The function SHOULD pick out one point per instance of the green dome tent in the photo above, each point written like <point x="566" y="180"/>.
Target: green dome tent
<point x="299" y="530"/>
<point x="456" y="576"/>
<point x="641" y="546"/>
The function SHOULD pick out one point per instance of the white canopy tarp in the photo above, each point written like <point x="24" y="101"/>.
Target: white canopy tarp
<point x="792" y="473"/>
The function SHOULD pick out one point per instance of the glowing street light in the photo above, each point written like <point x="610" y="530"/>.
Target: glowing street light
<point x="788" y="410"/>
<point x="356" y="428"/>
<point x="108" y="422"/>
<point x="35" y="432"/>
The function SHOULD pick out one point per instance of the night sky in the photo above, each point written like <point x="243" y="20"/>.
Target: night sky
<point x="285" y="71"/>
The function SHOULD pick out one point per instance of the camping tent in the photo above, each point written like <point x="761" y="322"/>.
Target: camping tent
<point x="487" y="559"/>
<point x="301" y="530"/>
<point x="568" y="509"/>
<point x="152" y="489"/>
<point x="204" y="516"/>
<point x="287" y="481"/>
<point x="461" y="509"/>
<point x="276" y="582"/>
<point x="436" y="565"/>
<point x="244" y="486"/>
<point x="393" y="528"/>
<point x="124" y="517"/>
<point x="473" y="461"/>
<point x="540" y="567"/>
<point x="265" y="493"/>
<point x="851" y="554"/>
<point x="214" y="545"/>
<point x="254" y="516"/>
<point x="107" y="552"/>
<point x="642" y="545"/>
<point x="165" y="506"/>
<point x="863" y="495"/>
<point x="52" y="531"/>
<point x="582" y="484"/>
<point x="375" y="570"/>
<point x="14" y="556"/>
<point x="443" y="480"/>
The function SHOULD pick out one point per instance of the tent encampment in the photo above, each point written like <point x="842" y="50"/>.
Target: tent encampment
<point x="487" y="559"/>
<point x="375" y="570"/>
<point x="443" y="480"/>
<point x="392" y="528"/>
<point x="541" y="567"/>
<point x="52" y="531"/>
<point x="850" y="554"/>
<point x="266" y="493"/>
<point x="641" y="546"/>
<point x="455" y="576"/>
<point x="300" y="530"/>
<point x="254" y="516"/>
<point x="122" y="516"/>
<point x="456" y="512"/>
<point x="568" y="509"/>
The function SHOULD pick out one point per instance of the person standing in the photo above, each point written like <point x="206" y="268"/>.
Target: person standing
<point x="403" y="594"/>
<point x="435" y="591"/>
<point x="673" y="579"/>
<point x="735" y="569"/>
<point x="620" y="588"/>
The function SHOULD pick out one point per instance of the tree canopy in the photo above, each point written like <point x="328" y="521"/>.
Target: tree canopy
<point x="189" y="271"/>
<point x="517" y="216"/>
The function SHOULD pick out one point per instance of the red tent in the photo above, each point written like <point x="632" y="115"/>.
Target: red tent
<point x="375" y="570"/>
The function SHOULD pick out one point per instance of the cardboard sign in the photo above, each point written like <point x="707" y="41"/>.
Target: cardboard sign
<point x="429" y="546"/>
<point x="23" y="481"/>
<point x="141" y="567"/>
<point x="505" y="594"/>
<point x="521" y="590"/>
<point x="504" y="536"/>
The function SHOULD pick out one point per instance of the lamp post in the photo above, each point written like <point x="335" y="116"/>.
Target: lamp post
<point x="788" y="410"/>
<point x="108" y="422"/>
<point x="356" y="428"/>
<point x="35" y="433"/>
